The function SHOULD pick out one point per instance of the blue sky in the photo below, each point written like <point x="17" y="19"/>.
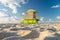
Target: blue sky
<point x="49" y="9"/>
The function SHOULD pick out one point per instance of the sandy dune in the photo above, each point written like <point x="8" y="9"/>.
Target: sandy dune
<point x="36" y="32"/>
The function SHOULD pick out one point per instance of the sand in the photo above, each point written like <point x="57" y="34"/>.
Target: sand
<point x="36" y="32"/>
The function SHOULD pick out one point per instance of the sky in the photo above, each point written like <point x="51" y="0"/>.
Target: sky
<point x="46" y="9"/>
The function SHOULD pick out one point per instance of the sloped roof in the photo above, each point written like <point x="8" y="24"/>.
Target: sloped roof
<point x="31" y="10"/>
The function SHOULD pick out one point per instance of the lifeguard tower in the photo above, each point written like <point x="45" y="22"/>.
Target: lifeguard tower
<point x="30" y="17"/>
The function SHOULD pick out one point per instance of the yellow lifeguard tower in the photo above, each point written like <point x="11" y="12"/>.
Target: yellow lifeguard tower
<point x="30" y="17"/>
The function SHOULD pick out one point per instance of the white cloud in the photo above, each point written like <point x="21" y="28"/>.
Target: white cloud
<point x="49" y="20"/>
<point x="3" y="9"/>
<point x="2" y="13"/>
<point x="5" y="18"/>
<point x="12" y="4"/>
<point x="58" y="17"/>
<point x="42" y="19"/>
<point x="23" y="13"/>
<point x="23" y="2"/>
<point x="13" y="19"/>
<point x="56" y="6"/>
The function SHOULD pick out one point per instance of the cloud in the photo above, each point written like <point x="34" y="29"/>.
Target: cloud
<point x="14" y="19"/>
<point x="5" y="18"/>
<point x="23" y="13"/>
<point x="13" y="4"/>
<point x="3" y="9"/>
<point x="2" y="13"/>
<point x="56" y="6"/>
<point x="58" y="17"/>
<point x="42" y="19"/>
<point x="49" y="20"/>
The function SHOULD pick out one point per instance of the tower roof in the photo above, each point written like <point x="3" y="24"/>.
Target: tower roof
<point x="31" y="10"/>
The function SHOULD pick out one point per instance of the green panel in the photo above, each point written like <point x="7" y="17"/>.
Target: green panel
<point x="35" y="21"/>
<point x="25" y="21"/>
<point x="28" y="21"/>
